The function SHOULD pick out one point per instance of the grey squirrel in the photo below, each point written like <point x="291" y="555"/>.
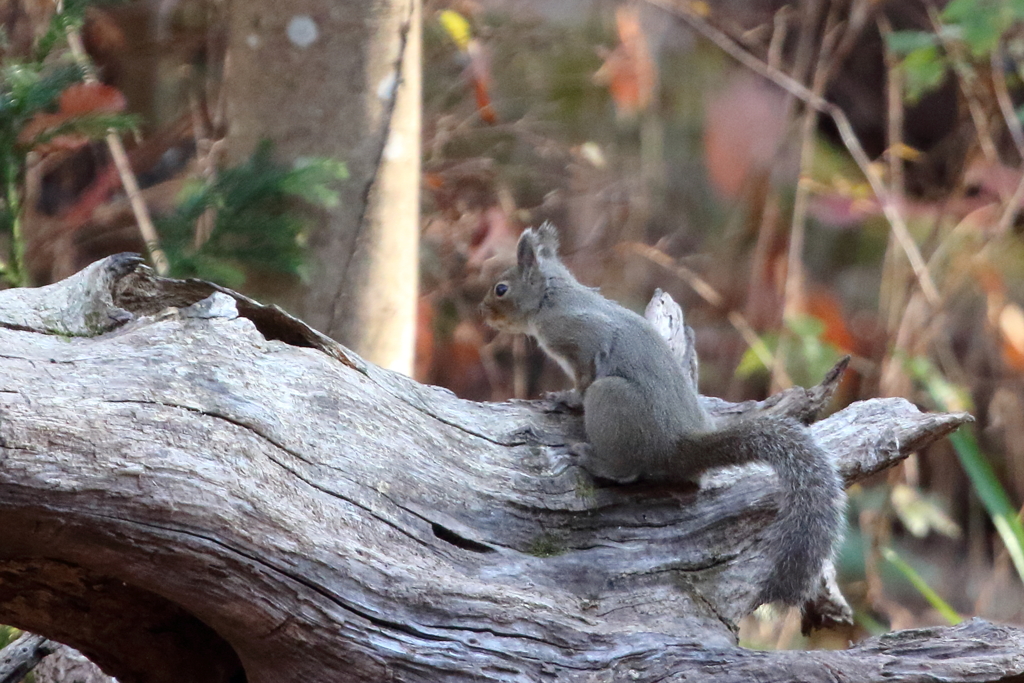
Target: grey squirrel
<point x="643" y="419"/>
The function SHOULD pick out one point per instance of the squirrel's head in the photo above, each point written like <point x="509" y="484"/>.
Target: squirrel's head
<point x="515" y="298"/>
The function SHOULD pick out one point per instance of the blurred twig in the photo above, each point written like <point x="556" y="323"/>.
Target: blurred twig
<point x="875" y="530"/>
<point x="705" y="291"/>
<point x="892" y="293"/>
<point x="1000" y="568"/>
<point x="1005" y="103"/>
<point x="124" y="168"/>
<point x="968" y="81"/>
<point x="793" y="295"/>
<point x="793" y="292"/>
<point x="682" y="10"/>
<point x="1016" y="132"/>
<point x="780" y="29"/>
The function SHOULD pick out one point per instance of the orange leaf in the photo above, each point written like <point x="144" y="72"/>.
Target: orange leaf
<point x="480" y="76"/>
<point x="101" y="33"/>
<point x="827" y="308"/>
<point x="1011" y="325"/>
<point x="629" y="71"/>
<point x="483" y="103"/>
<point x="433" y="181"/>
<point x="425" y="342"/>
<point x="990" y="280"/>
<point x="88" y="98"/>
<point x="105" y="182"/>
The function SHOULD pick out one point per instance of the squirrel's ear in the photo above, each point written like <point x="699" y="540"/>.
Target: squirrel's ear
<point x="526" y="251"/>
<point x="547" y="239"/>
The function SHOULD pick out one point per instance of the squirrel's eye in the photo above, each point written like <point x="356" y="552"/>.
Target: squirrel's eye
<point x="500" y="289"/>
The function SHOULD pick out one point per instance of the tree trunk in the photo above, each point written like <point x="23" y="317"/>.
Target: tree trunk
<point x="194" y="491"/>
<point x="341" y="79"/>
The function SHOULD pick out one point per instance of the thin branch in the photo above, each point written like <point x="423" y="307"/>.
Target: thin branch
<point x="893" y="290"/>
<point x="894" y="119"/>
<point x="968" y="81"/>
<point x="711" y="295"/>
<point x="1010" y="210"/>
<point x="793" y="291"/>
<point x="1016" y="132"/>
<point x="860" y="12"/>
<point x="827" y="58"/>
<point x="698" y="284"/>
<point x="846" y="133"/>
<point x="124" y="168"/>
<point x="1005" y="103"/>
<point x="780" y="30"/>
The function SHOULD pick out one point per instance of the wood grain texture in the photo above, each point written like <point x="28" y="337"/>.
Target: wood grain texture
<point x="21" y="656"/>
<point x="190" y="491"/>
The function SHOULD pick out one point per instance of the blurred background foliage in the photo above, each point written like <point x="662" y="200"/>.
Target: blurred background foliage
<point x="665" y="163"/>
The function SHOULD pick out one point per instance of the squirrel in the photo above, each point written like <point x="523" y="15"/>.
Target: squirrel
<point x="643" y="419"/>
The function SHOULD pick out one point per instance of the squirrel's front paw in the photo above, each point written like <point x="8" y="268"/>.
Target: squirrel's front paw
<point x="565" y="401"/>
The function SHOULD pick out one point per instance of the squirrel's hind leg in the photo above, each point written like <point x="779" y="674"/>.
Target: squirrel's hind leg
<point x="615" y="443"/>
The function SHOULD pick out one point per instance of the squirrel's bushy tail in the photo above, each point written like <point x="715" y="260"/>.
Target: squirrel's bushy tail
<point x="810" y="519"/>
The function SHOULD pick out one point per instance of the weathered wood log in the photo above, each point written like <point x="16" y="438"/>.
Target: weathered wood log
<point x="193" y="485"/>
<point x="68" y="665"/>
<point x="22" y="655"/>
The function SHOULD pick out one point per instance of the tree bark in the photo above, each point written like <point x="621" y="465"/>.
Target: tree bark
<point x="22" y="655"/>
<point x="341" y="79"/>
<point x="66" y="665"/>
<point x="194" y="485"/>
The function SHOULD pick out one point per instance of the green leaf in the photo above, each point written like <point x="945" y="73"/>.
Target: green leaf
<point x="92" y="126"/>
<point x="940" y="605"/>
<point x="7" y="635"/>
<point x="903" y="42"/>
<point x="30" y="88"/>
<point x="959" y="10"/>
<point x="945" y="394"/>
<point x="924" y="69"/>
<point x="806" y="326"/>
<point x="752" y="361"/>
<point x="311" y="181"/>
<point x="256" y="221"/>
<point x="1003" y="513"/>
<point x="750" y="364"/>
<point x="72" y="17"/>
<point x="813" y="356"/>
<point x="982" y="22"/>
<point x="992" y="494"/>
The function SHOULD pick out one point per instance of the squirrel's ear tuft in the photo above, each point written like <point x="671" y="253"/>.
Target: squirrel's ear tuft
<point x="547" y="239"/>
<point x="526" y="251"/>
